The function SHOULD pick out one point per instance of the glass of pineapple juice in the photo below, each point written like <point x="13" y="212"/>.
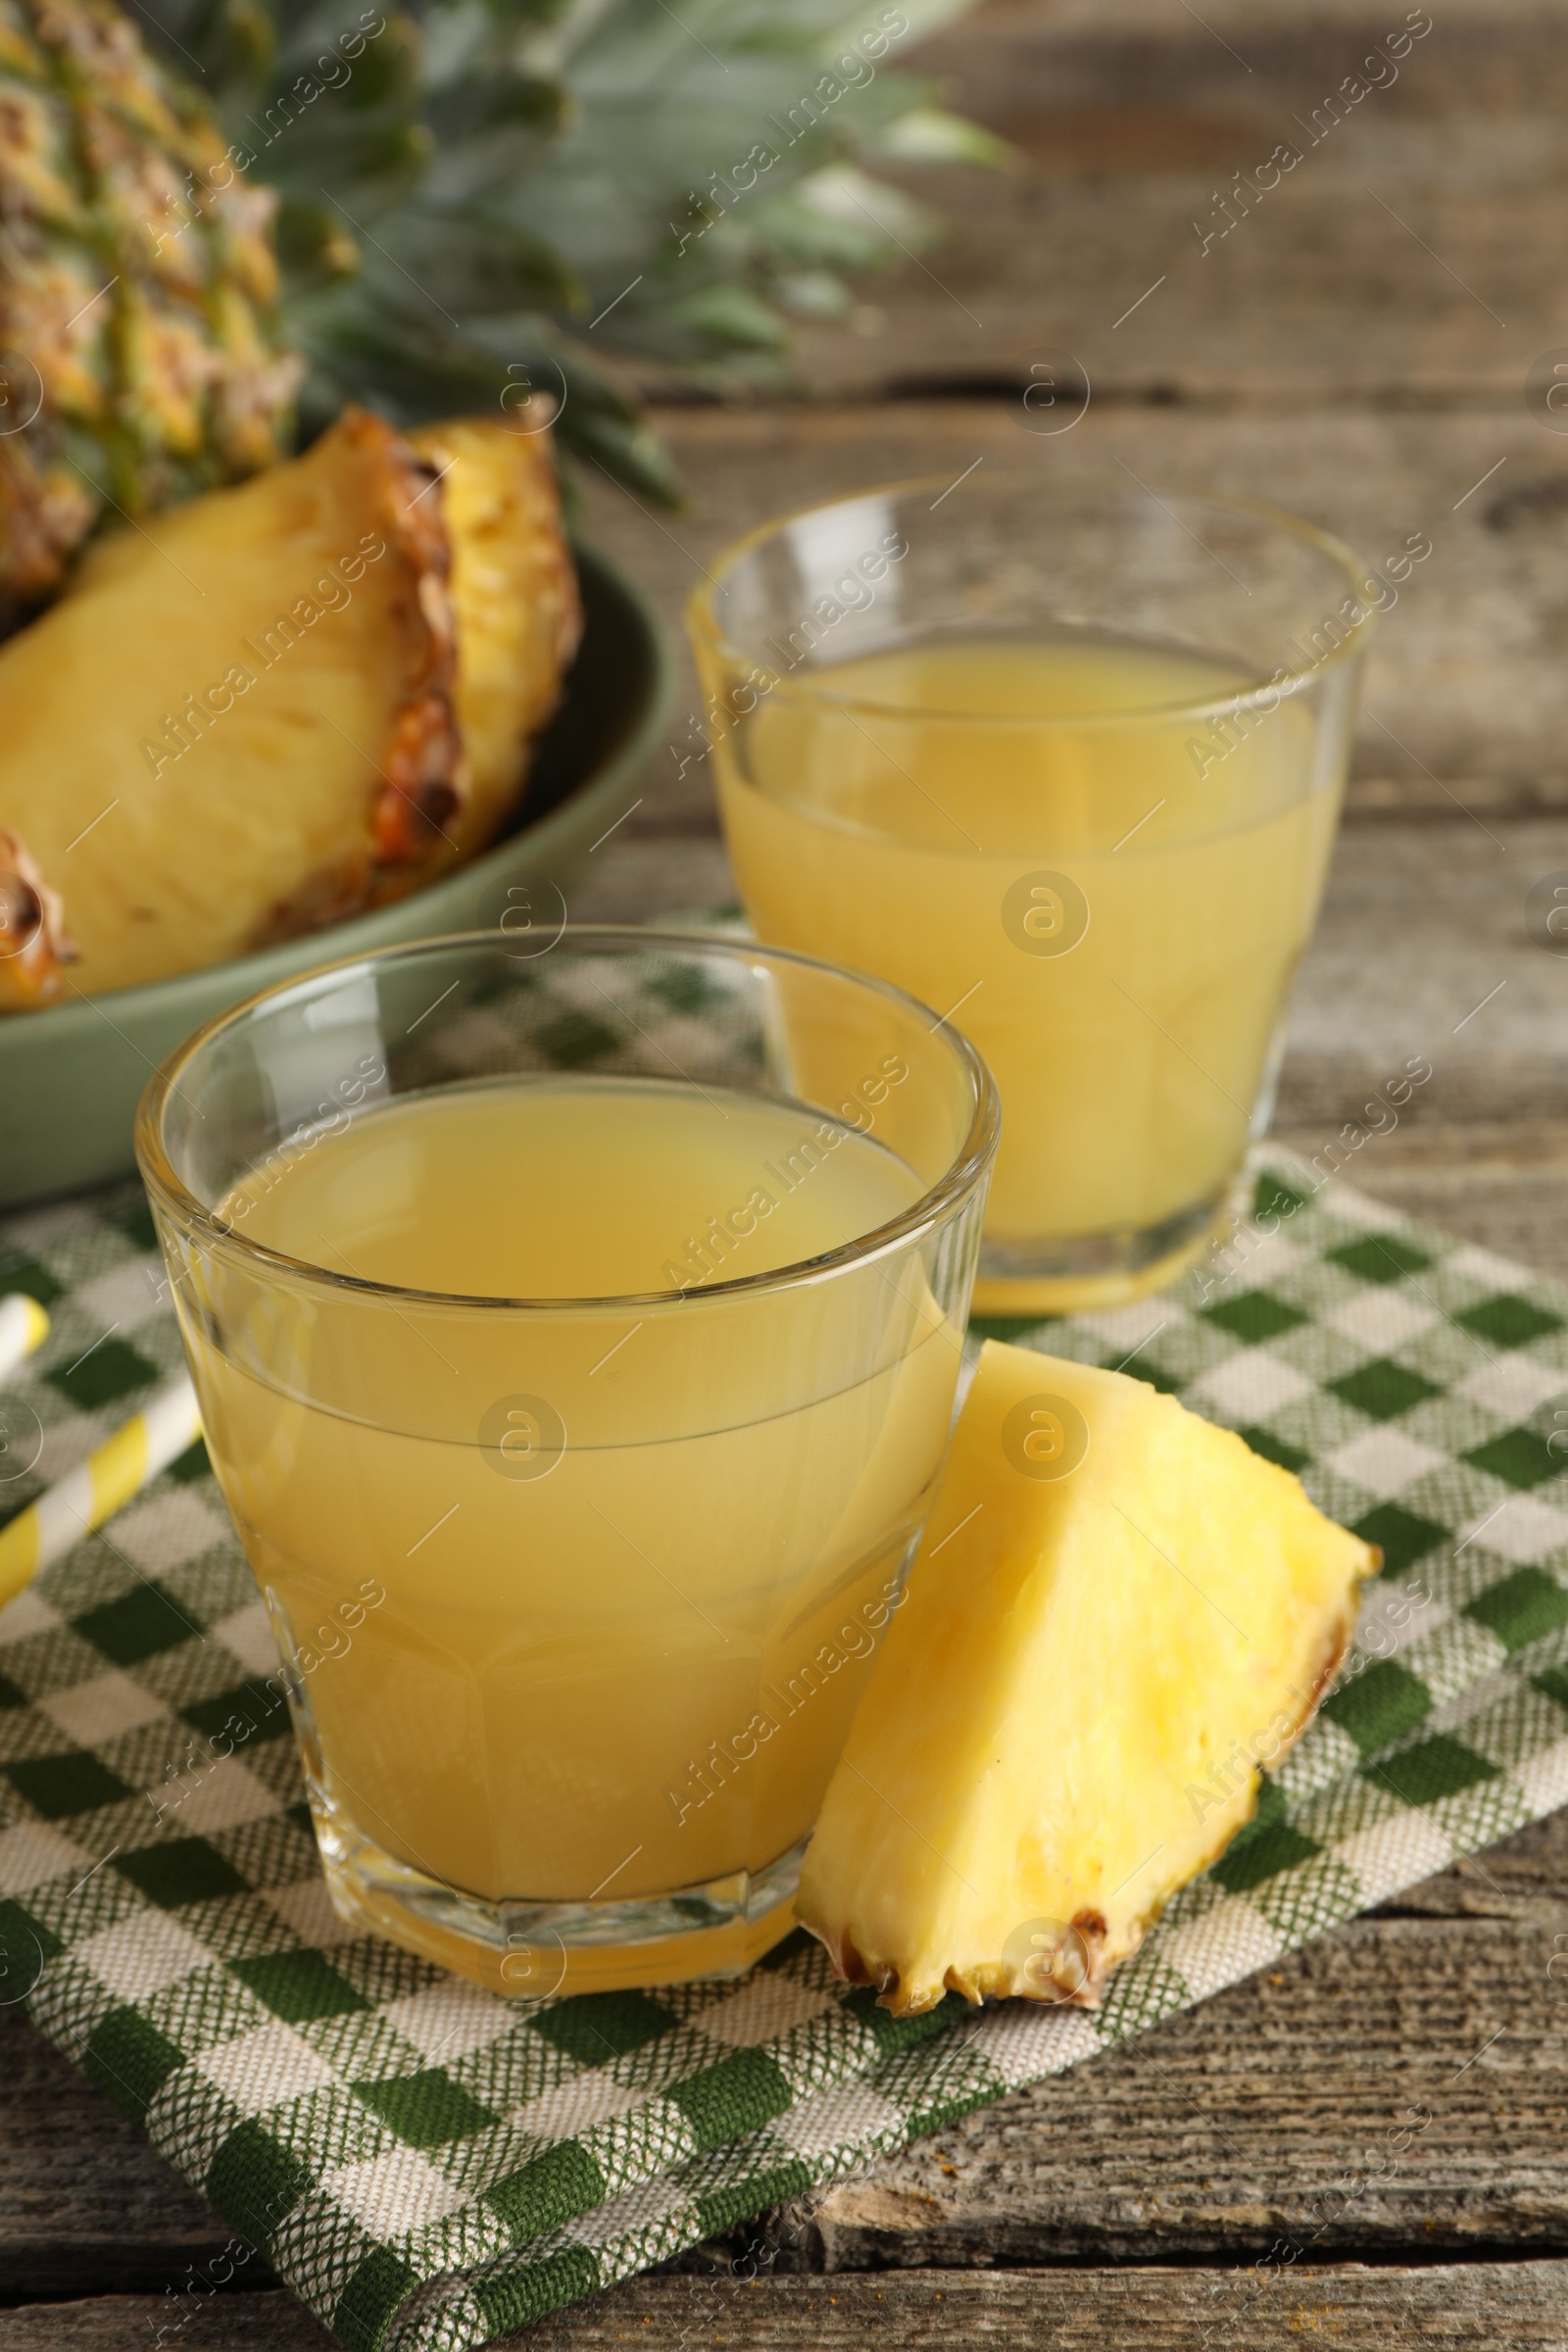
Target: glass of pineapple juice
<point x="576" y="1335"/>
<point x="1067" y="765"/>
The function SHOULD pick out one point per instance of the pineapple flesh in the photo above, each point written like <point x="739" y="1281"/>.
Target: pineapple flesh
<point x="1118" y="1612"/>
<point x="246" y="717"/>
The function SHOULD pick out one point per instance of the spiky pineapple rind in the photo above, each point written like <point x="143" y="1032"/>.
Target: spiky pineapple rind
<point x="514" y="597"/>
<point x="34" y="944"/>
<point x="139" y="292"/>
<point x="423" y="767"/>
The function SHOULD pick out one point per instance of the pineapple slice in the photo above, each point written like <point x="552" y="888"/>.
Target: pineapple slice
<point x="1118" y="1611"/>
<point x="248" y="717"/>
<point x="515" y="599"/>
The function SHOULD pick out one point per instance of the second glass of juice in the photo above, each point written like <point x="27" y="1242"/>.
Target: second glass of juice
<point x="1066" y="763"/>
<point x="576" y="1337"/>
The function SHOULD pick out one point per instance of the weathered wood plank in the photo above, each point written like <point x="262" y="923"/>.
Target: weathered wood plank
<point x="84" y="2202"/>
<point x="120" y="2323"/>
<point x="1466" y="680"/>
<point x="1423" y="949"/>
<point x="1401" y="2085"/>
<point x="1423" y="952"/>
<point x="1082" y="2311"/>
<point x="1406" y="255"/>
<point x="1267" y="2112"/>
<point x="1519" y="2304"/>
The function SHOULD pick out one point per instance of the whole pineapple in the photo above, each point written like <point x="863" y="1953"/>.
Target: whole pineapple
<point x="139" y="347"/>
<point x="471" y="203"/>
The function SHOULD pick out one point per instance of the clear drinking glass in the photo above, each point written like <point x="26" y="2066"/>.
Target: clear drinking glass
<point x="1066" y="763"/>
<point x="573" y="1595"/>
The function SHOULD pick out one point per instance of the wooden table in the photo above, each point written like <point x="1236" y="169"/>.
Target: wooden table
<point x="1356" y="348"/>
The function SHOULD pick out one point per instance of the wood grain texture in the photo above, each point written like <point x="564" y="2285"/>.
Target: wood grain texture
<point x="85" y="2204"/>
<point x="1082" y="2311"/>
<point x="1405" y="258"/>
<point x="1250" y="2117"/>
<point x="1423" y="952"/>
<point x="1294" y="2108"/>
<point x="656" y="876"/>
<point x="131" y="2322"/>
<point x="1520" y="2304"/>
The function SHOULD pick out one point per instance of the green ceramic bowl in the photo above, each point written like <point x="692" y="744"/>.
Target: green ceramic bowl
<point x="70" y="1077"/>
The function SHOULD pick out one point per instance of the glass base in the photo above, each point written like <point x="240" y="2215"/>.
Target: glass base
<point x="1094" y="1270"/>
<point x="533" y="1950"/>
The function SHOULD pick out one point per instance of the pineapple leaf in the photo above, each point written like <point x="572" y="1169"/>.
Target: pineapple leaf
<point x="544" y="185"/>
<point x="929" y="134"/>
<point x="730" y="314"/>
<point x="632" y="455"/>
<point x="482" y="265"/>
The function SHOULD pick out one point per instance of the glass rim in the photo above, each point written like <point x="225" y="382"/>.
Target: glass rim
<point x="963" y="1171"/>
<point x="1009" y="483"/>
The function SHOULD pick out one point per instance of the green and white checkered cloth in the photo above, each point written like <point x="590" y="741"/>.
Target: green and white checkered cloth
<point x="430" y="2167"/>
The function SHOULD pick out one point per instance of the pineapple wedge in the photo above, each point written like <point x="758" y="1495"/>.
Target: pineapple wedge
<point x="513" y="600"/>
<point x="280" y="703"/>
<point x="1117" y="1613"/>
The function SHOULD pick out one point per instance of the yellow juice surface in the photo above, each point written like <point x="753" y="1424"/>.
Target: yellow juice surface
<point x="573" y="1189"/>
<point x="898" y="813"/>
<point x="634" y="1559"/>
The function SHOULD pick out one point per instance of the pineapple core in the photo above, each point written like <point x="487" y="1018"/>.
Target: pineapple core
<point x="1119" y="1613"/>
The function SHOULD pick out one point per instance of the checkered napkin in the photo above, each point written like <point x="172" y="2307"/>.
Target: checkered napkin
<point x="430" y="2167"/>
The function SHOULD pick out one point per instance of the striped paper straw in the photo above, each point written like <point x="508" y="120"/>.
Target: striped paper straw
<point x="22" y="1324"/>
<point x="100" y="1485"/>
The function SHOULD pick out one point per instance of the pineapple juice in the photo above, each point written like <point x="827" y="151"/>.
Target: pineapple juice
<point x="628" y="1600"/>
<point x="926" y="834"/>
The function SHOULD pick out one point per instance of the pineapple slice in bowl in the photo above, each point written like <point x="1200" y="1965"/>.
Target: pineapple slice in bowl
<point x="285" y="702"/>
<point x="1117" y="1613"/>
<point x="85" y="1035"/>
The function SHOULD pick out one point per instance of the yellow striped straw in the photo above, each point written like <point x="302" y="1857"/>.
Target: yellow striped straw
<point x="22" y="1325"/>
<point x="100" y="1485"/>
